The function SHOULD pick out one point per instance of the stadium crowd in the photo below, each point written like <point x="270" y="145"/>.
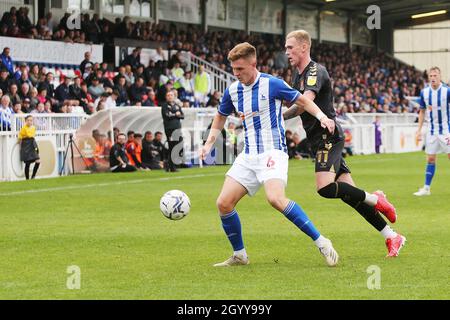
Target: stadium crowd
<point x="364" y="80"/>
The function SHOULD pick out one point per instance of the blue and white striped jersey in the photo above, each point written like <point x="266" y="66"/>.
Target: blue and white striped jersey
<point x="259" y="106"/>
<point x="437" y="105"/>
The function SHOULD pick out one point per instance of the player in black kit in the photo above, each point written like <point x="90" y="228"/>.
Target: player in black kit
<point x="333" y="178"/>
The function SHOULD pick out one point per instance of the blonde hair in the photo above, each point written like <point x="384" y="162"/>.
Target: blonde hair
<point x="242" y="50"/>
<point x="435" y="69"/>
<point x="300" y="36"/>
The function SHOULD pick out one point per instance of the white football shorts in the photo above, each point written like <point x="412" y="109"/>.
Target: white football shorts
<point x="252" y="171"/>
<point x="437" y="144"/>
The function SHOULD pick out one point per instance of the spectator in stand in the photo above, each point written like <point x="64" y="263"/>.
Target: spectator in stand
<point x="6" y="61"/>
<point x="133" y="59"/>
<point x="13" y="94"/>
<point x="39" y="109"/>
<point x="24" y="91"/>
<point x="62" y="92"/>
<point x="96" y="88"/>
<point x="121" y="88"/>
<point x="5" y="113"/>
<point x="202" y="87"/>
<point x="5" y="81"/>
<point x="49" y="87"/>
<point x="151" y="99"/>
<point x="186" y="91"/>
<point x="24" y="79"/>
<point x="118" y="160"/>
<point x="33" y="98"/>
<point x="17" y="108"/>
<point x="137" y="91"/>
<point x="26" y="105"/>
<point x="214" y="101"/>
<point x="111" y="100"/>
<point x="87" y="60"/>
<point x="22" y="69"/>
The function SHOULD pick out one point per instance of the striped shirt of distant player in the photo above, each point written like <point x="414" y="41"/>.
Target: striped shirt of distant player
<point x="259" y="106"/>
<point x="437" y="104"/>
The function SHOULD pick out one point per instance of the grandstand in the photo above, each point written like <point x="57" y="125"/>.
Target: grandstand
<point x="89" y="69"/>
<point x="149" y="41"/>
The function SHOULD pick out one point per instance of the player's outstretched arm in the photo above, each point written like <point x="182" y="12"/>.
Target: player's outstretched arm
<point x="216" y="128"/>
<point x="310" y="107"/>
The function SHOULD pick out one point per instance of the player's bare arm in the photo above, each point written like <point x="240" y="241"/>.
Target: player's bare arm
<point x="421" y="119"/>
<point x="216" y="128"/>
<point x="295" y="110"/>
<point x="310" y="107"/>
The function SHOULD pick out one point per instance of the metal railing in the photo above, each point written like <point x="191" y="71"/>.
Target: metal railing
<point x="46" y="124"/>
<point x="220" y="79"/>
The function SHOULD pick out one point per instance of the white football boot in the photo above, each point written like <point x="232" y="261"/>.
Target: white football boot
<point x="330" y="255"/>
<point x="422" y="192"/>
<point x="234" y="260"/>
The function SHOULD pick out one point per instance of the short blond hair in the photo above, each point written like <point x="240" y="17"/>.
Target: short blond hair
<point x="435" y="68"/>
<point x="300" y="36"/>
<point x="242" y="50"/>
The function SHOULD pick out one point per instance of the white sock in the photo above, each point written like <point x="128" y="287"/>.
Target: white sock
<point x="371" y="199"/>
<point x="241" y="252"/>
<point x="388" y="233"/>
<point x="426" y="187"/>
<point x="319" y="242"/>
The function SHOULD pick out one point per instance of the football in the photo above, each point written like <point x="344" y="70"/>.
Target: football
<point x="175" y="204"/>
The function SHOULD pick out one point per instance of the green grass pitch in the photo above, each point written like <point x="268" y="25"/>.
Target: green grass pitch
<point x="110" y="227"/>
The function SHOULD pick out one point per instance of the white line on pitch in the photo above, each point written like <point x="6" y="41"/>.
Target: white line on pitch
<point x="83" y="186"/>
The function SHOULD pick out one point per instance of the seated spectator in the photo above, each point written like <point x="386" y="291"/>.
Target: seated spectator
<point x="134" y="151"/>
<point x="6" y="61"/>
<point x="6" y="113"/>
<point x="39" y="109"/>
<point x="118" y="160"/>
<point x="137" y="91"/>
<point x="5" y="81"/>
<point x="111" y="100"/>
<point x="151" y="155"/>
<point x="26" y="105"/>
<point x="214" y="101"/>
<point x="13" y="94"/>
<point x="150" y="99"/>
<point x="120" y="87"/>
<point x="24" y="91"/>
<point x="62" y="92"/>
<point x="17" y="108"/>
<point x="96" y="88"/>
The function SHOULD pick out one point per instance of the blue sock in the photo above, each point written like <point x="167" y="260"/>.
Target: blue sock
<point x="431" y="168"/>
<point x="232" y="226"/>
<point x="298" y="217"/>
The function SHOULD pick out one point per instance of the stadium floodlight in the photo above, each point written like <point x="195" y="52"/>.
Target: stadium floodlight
<point x="330" y="0"/>
<point x="428" y="14"/>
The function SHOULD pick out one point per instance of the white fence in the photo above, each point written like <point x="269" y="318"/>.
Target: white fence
<point x="53" y="130"/>
<point x="52" y="136"/>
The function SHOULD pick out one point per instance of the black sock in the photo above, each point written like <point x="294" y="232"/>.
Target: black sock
<point x="27" y="171"/>
<point x="35" y="169"/>
<point x="344" y="191"/>
<point x="369" y="213"/>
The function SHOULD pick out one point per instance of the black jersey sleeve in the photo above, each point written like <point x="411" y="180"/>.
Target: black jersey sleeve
<point x="315" y="78"/>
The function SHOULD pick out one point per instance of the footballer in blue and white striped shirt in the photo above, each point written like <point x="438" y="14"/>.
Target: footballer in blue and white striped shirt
<point x="435" y="105"/>
<point x="257" y="97"/>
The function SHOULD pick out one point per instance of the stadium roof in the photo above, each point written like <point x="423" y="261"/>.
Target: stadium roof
<point x="397" y="11"/>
